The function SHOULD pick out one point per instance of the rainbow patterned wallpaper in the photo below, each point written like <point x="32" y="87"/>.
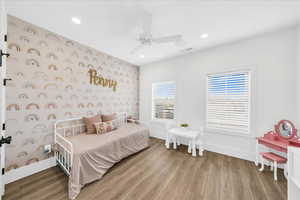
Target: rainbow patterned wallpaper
<point x="50" y="81"/>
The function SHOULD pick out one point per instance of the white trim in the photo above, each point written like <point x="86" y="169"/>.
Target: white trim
<point x="229" y="72"/>
<point x="227" y="132"/>
<point x="153" y="118"/>
<point x="233" y="152"/>
<point x="157" y="136"/>
<point x="16" y="174"/>
<point x="3" y="47"/>
<point x="221" y="149"/>
<point x="293" y="178"/>
<point x="156" y="120"/>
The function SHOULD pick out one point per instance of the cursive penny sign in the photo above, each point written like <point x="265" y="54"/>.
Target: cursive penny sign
<point x="99" y="80"/>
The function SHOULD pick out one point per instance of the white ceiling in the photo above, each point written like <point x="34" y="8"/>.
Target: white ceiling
<point x="112" y="26"/>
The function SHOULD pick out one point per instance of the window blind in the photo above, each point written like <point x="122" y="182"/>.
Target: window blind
<point x="228" y="102"/>
<point x="163" y="100"/>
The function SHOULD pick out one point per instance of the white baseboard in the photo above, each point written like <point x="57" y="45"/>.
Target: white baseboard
<point x="237" y="153"/>
<point x="157" y="136"/>
<point x="16" y="174"/>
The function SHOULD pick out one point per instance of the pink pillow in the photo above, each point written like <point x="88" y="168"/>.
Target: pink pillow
<point x="90" y="121"/>
<point x="104" y="127"/>
<point x="106" y="118"/>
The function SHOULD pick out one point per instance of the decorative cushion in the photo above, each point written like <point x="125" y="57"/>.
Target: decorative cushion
<point x="133" y="121"/>
<point x="106" y="118"/>
<point x="104" y="127"/>
<point x="90" y="121"/>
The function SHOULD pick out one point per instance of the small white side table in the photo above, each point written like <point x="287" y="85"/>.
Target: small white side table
<point x="193" y="137"/>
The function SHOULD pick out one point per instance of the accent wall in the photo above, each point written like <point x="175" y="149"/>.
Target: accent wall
<point x="51" y="81"/>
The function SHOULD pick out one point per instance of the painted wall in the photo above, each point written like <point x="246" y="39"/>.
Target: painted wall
<point x="272" y="60"/>
<point x="298" y="74"/>
<point x="50" y="81"/>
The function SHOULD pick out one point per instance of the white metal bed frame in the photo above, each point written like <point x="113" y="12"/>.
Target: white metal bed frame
<point x="64" y="148"/>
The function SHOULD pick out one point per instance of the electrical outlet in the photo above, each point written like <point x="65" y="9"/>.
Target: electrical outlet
<point x="47" y="148"/>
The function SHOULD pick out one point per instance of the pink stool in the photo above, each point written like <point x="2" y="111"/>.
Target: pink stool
<point x="274" y="159"/>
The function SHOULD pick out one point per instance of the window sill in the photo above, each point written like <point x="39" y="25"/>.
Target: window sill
<point x="162" y="120"/>
<point x="228" y="133"/>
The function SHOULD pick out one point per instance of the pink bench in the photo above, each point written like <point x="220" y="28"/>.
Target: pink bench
<point x="274" y="159"/>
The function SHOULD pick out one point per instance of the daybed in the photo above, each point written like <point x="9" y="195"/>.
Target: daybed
<point x="86" y="158"/>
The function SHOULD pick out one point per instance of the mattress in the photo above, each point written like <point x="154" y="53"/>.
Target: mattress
<point x="95" y="154"/>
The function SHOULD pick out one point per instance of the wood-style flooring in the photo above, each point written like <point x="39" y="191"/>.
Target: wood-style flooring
<point x="160" y="174"/>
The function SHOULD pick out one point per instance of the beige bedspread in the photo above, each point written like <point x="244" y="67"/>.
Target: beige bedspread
<point x="95" y="154"/>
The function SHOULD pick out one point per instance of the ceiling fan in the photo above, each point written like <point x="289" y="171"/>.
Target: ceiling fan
<point x="145" y="37"/>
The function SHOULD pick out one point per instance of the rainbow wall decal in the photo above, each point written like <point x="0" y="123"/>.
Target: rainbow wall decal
<point x="31" y="30"/>
<point x="51" y="116"/>
<point x="52" y="67"/>
<point x="43" y="43"/>
<point x="29" y="85"/>
<point x="32" y="160"/>
<point x="32" y="106"/>
<point x="32" y="62"/>
<point x="14" y="46"/>
<point x="51" y="86"/>
<point x="69" y="43"/>
<point x="22" y="154"/>
<point x="51" y="106"/>
<point x="42" y="95"/>
<point x="23" y="96"/>
<point x="12" y="107"/>
<point x="24" y="39"/>
<point x="68" y="115"/>
<point x="34" y="51"/>
<point x="31" y="117"/>
<point x="52" y="37"/>
<point x="52" y="56"/>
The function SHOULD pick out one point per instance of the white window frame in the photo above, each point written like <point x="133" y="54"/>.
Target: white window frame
<point x="223" y="131"/>
<point x="153" y="118"/>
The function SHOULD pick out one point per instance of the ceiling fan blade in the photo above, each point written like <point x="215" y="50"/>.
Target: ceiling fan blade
<point x="173" y="38"/>
<point x="180" y="43"/>
<point x="146" y="21"/>
<point x="137" y="48"/>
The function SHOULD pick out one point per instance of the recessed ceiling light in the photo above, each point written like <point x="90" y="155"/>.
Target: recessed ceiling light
<point x="76" y="20"/>
<point x="204" y="35"/>
<point x="142" y="56"/>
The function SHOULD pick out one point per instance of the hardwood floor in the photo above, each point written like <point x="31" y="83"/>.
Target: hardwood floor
<point x="160" y="174"/>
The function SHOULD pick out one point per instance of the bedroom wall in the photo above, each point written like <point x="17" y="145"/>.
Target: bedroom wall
<point x="271" y="57"/>
<point x="298" y="74"/>
<point x="50" y="81"/>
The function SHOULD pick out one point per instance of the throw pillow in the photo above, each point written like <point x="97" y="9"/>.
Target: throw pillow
<point x="104" y="127"/>
<point x="111" y="117"/>
<point x="90" y="121"/>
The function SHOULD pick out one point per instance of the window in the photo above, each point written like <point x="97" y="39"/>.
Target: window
<point x="163" y="100"/>
<point x="228" y="102"/>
